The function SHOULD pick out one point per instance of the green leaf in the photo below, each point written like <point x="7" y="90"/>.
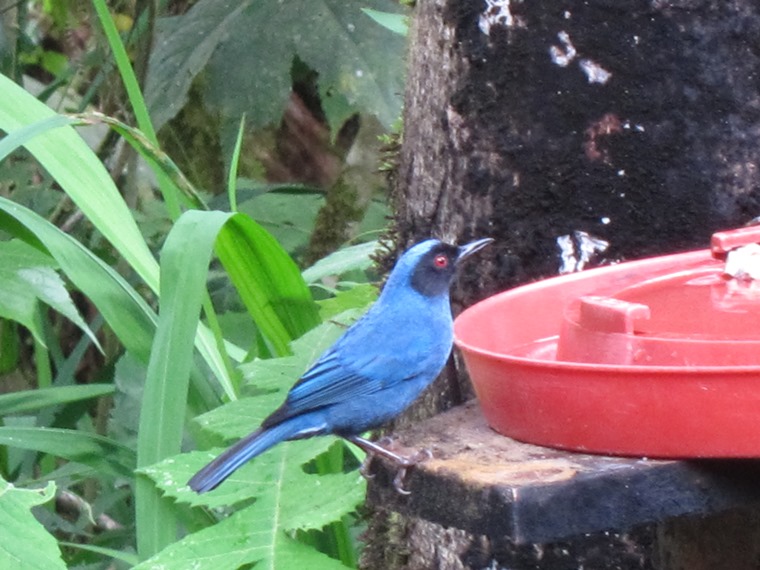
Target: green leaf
<point x="268" y="281"/>
<point x="287" y="500"/>
<point x="28" y="545"/>
<point x="123" y="309"/>
<point x="91" y="188"/>
<point x="244" y="538"/>
<point x="396" y="23"/>
<point x="270" y="379"/>
<point x="23" y="135"/>
<point x="178" y="56"/>
<point x="26" y="276"/>
<point x="28" y="400"/>
<point x="346" y="259"/>
<point x="357" y="297"/>
<point x="88" y="449"/>
<point x="184" y="264"/>
<point x="271" y="287"/>
<point x="357" y="60"/>
<point x="88" y="185"/>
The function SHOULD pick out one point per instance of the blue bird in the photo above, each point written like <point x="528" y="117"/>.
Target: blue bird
<point x="373" y="372"/>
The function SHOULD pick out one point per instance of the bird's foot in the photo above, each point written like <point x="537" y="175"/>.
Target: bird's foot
<point x="364" y="469"/>
<point x="403" y="462"/>
<point x="410" y="461"/>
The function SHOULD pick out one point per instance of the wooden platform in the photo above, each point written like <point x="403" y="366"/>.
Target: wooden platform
<point x="487" y="484"/>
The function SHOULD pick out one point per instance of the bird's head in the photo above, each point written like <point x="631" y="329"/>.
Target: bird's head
<point x="430" y="266"/>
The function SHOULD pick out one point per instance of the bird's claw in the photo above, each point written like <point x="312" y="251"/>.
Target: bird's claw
<point x="410" y="461"/>
<point x="402" y="462"/>
<point x="398" y="481"/>
<point x="364" y="468"/>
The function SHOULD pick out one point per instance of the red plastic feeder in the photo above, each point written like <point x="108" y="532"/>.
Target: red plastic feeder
<point x="657" y="358"/>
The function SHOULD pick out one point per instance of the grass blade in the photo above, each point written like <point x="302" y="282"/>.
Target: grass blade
<point x="184" y="265"/>
<point x="95" y="451"/>
<point x="124" y="310"/>
<point x="28" y="400"/>
<point x="88" y="184"/>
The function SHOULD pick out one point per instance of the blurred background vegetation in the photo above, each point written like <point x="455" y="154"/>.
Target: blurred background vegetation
<point x="260" y="129"/>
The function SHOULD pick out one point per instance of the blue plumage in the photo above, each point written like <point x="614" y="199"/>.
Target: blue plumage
<point x="374" y="371"/>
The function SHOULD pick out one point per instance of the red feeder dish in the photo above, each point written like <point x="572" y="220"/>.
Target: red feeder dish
<point x="658" y="357"/>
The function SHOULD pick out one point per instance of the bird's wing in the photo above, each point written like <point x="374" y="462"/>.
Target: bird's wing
<point x="330" y="380"/>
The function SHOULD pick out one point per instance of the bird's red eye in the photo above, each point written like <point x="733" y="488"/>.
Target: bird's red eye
<point x="441" y="261"/>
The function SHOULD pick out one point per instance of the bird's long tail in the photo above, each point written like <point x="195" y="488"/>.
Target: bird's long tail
<point x="247" y="448"/>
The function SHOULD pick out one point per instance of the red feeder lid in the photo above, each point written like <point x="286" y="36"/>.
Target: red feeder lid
<point x="658" y="357"/>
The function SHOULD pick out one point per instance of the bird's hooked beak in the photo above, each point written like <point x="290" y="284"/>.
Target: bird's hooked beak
<point x="470" y="248"/>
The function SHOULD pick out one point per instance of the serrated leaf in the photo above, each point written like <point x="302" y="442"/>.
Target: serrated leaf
<point x="241" y="540"/>
<point x="359" y="63"/>
<point x="287" y="499"/>
<point x="27" y="276"/>
<point x="257" y="476"/>
<point x="28" y="545"/>
<point x="183" y="47"/>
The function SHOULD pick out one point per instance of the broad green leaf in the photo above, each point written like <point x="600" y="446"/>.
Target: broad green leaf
<point x="270" y="380"/>
<point x="273" y="290"/>
<point x="86" y="448"/>
<point x="178" y="56"/>
<point x="28" y="546"/>
<point x="27" y="400"/>
<point x="287" y="500"/>
<point x="268" y="281"/>
<point x="346" y="259"/>
<point x="358" y="61"/>
<point x="240" y="540"/>
<point x="26" y="276"/>
<point x="254" y="478"/>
